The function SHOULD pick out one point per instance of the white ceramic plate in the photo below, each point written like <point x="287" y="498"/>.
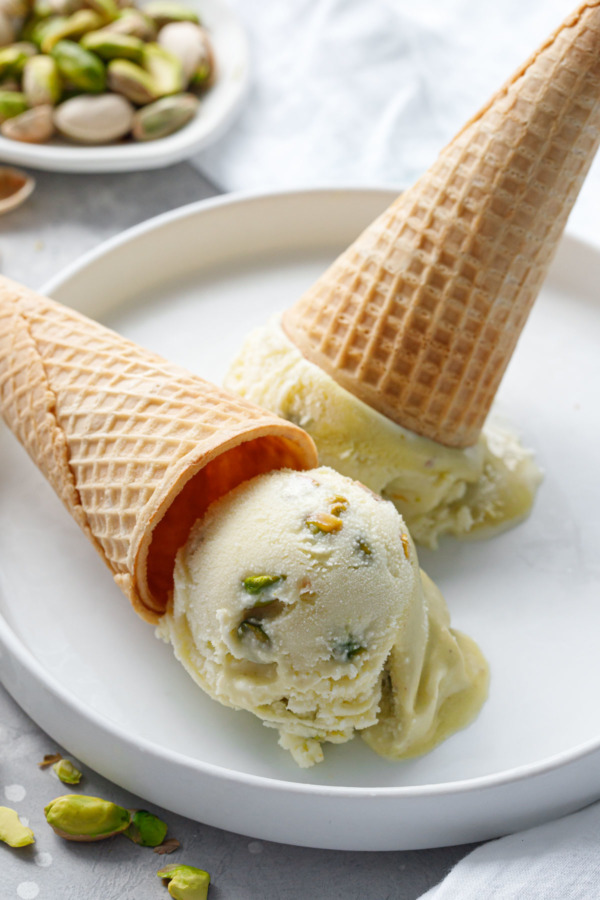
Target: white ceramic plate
<point x="189" y="285"/>
<point x="218" y="109"/>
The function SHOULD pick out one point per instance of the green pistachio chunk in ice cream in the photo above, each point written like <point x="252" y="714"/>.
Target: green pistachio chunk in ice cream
<point x="438" y="490"/>
<point x="299" y="625"/>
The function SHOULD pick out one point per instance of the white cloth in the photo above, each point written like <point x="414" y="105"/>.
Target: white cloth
<point x="366" y="92"/>
<point x="557" y="861"/>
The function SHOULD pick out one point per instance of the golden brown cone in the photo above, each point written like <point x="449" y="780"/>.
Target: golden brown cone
<point x="135" y="447"/>
<point x="420" y="316"/>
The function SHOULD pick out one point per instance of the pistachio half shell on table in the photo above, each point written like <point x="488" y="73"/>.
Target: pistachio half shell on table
<point x="34" y="126"/>
<point x="41" y="81"/>
<point x="164" y="116"/>
<point x="80" y="67"/>
<point x="94" y="120"/>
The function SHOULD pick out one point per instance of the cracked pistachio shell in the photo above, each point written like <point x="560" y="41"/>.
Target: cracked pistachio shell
<point x="164" y="116"/>
<point x="186" y="882"/>
<point x="34" y="126"/>
<point x="41" y="81"/>
<point x="133" y="82"/>
<point x="7" y="30"/>
<point x="189" y="43"/>
<point x="12" y="831"/>
<point x="80" y="67"/>
<point x="13" y="58"/>
<point x="73" y="27"/>
<point x="165" y="11"/>
<point x="135" y="23"/>
<point x="110" y="45"/>
<point x="164" y="68"/>
<point x="145" y="829"/>
<point x="77" y="817"/>
<point x="12" y="103"/>
<point x="94" y="120"/>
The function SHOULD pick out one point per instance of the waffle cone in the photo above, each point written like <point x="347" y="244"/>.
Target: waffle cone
<point x="420" y="316"/>
<point x="135" y="447"/>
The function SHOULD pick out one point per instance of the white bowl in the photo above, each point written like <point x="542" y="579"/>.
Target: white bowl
<point x="217" y="111"/>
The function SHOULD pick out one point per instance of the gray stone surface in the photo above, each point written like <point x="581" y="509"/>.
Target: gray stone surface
<point x="67" y="216"/>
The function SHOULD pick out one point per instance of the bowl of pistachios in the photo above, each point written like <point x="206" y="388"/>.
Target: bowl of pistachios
<point x="116" y="85"/>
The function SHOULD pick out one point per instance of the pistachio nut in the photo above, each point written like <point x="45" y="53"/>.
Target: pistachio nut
<point x="41" y="81"/>
<point x="108" y="9"/>
<point x="164" y="116"/>
<point x="36" y="29"/>
<point x="165" y="11"/>
<point x="94" y="120"/>
<point x="34" y="126"/>
<point x="7" y="30"/>
<point x="204" y="75"/>
<point x="164" y="68"/>
<point x="133" y="82"/>
<point x="185" y="882"/>
<point x="189" y="43"/>
<point x="77" y="817"/>
<point x="13" y="58"/>
<point x="146" y="829"/>
<point x="79" y="66"/>
<point x="111" y="45"/>
<point x="65" y="7"/>
<point x="135" y="23"/>
<point x="12" y="103"/>
<point x="64" y="768"/>
<point x="12" y="831"/>
<point x="73" y="27"/>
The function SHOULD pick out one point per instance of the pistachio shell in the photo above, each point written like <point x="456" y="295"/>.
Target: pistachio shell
<point x="12" y="103"/>
<point x="189" y="43"/>
<point x="131" y="81"/>
<point x="165" y="11"/>
<point x="12" y="832"/>
<point x="186" y="882"/>
<point x="7" y="30"/>
<point x="34" y="126"/>
<point x="73" y="27"/>
<point x="110" y="45"/>
<point x="163" y="117"/>
<point x="41" y="81"/>
<point x="94" y="120"/>
<point x="77" y="817"/>
<point x="164" y="68"/>
<point x="135" y="23"/>
<point x="79" y="66"/>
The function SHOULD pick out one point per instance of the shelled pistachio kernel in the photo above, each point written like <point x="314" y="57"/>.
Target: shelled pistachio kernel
<point x="82" y="68"/>
<point x="12" y="103"/>
<point x="324" y="523"/>
<point x="41" y="81"/>
<point x="164" y="116"/>
<point x="12" y="830"/>
<point x="67" y="772"/>
<point x="111" y="45"/>
<point x="131" y="81"/>
<point x="185" y="882"/>
<point x="164" y="68"/>
<point x="78" y="817"/>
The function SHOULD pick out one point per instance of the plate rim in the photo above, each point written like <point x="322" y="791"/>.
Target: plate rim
<point x="10" y="641"/>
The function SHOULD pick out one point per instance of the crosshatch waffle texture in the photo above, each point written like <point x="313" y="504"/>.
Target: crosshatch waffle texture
<point x="420" y="316"/>
<point x="135" y="447"/>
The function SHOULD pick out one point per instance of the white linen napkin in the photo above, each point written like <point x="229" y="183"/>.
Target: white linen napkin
<point x="557" y="861"/>
<point x="349" y="92"/>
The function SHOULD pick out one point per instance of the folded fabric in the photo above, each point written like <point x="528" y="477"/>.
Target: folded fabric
<point x="345" y="92"/>
<point x="557" y="861"/>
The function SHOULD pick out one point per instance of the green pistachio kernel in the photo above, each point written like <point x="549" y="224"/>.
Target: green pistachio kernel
<point x="345" y="651"/>
<point x="186" y="882"/>
<point x="146" y="829"/>
<point x="12" y="103"/>
<point x="79" y="66"/>
<point x="67" y="772"/>
<point x="338" y="505"/>
<point x="323" y="523"/>
<point x="12" y="831"/>
<point x="254" y="584"/>
<point x="253" y="627"/>
<point x="77" y="817"/>
<point x="363" y="550"/>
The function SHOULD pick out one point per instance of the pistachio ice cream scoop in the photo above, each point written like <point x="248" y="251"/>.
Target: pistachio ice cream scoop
<point x="293" y="595"/>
